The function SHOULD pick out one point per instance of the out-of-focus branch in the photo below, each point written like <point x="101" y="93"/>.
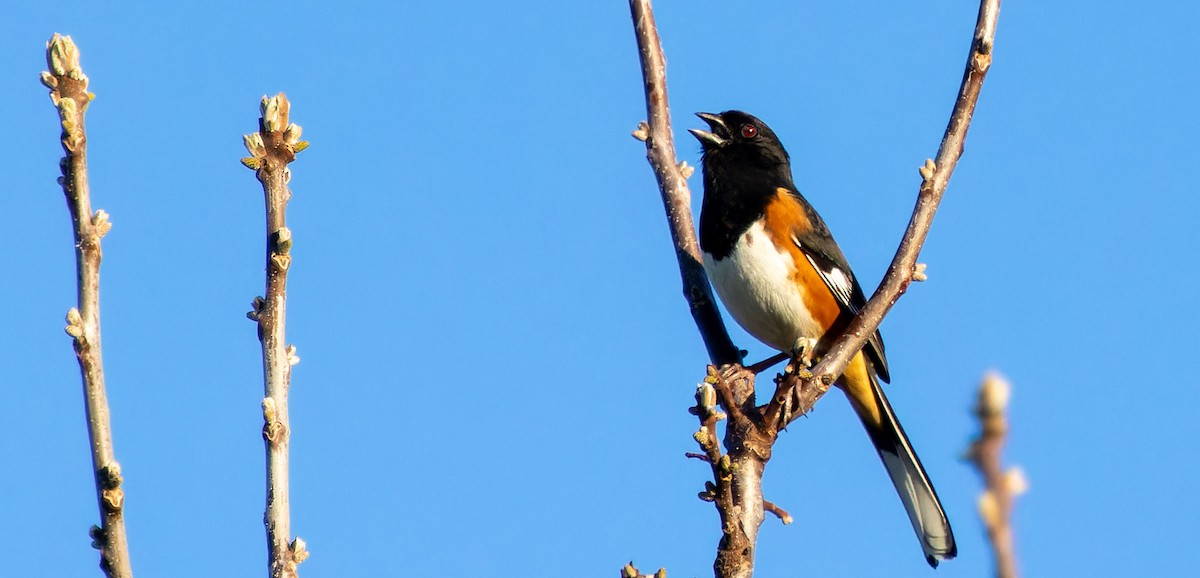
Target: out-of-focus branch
<point x="68" y="91"/>
<point x="272" y="148"/>
<point x="935" y="175"/>
<point x="1001" y="487"/>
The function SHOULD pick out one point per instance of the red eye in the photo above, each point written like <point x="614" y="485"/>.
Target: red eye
<point x="749" y="131"/>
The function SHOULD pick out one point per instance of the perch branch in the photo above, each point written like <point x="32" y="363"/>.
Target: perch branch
<point x="672" y="183"/>
<point x="68" y="91"/>
<point x="1001" y="487"/>
<point x="272" y="148"/>
<point x="935" y="175"/>
<point x="738" y="474"/>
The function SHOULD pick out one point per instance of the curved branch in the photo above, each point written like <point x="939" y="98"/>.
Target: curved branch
<point x="68" y="90"/>
<point x="935" y="176"/>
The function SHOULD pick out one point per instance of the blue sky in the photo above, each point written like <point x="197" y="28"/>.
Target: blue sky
<point x="497" y="360"/>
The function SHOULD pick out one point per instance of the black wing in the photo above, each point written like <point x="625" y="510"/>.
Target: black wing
<point x="822" y="251"/>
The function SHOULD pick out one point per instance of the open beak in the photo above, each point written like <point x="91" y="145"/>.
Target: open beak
<point x="717" y="136"/>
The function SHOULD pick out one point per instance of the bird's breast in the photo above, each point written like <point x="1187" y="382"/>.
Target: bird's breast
<point x="756" y="282"/>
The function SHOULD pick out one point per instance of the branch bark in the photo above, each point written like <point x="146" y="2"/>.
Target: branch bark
<point x="672" y="183"/>
<point x="1000" y="487"/>
<point x="904" y="268"/>
<point x="68" y="91"/>
<point x="751" y="431"/>
<point x="273" y="147"/>
<point x="737" y="491"/>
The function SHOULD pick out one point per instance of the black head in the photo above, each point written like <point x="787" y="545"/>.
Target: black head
<point x="736" y="136"/>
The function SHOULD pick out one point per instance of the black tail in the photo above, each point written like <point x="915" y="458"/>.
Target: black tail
<point x="920" y="500"/>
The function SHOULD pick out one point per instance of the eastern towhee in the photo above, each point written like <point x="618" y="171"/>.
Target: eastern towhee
<point x="781" y="275"/>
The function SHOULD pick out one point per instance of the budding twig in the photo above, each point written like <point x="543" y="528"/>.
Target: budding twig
<point x="272" y="148"/>
<point x="69" y="92"/>
<point x="1001" y="486"/>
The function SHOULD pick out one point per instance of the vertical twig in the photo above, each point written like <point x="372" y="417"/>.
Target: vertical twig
<point x="68" y="90"/>
<point x="737" y="493"/>
<point x="1001" y="487"/>
<point x="672" y="183"/>
<point x="272" y="148"/>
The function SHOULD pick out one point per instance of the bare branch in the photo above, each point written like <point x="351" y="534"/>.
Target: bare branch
<point x="68" y="91"/>
<point x="672" y="183"/>
<point x="738" y="475"/>
<point x="272" y="148"/>
<point x="935" y="176"/>
<point x="1001" y="487"/>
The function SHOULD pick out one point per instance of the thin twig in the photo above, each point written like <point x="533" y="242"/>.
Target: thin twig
<point x="737" y="494"/>
<point x="780" y="513"/>
<point x="935" y="176"/>
<point x="1001" y="487"/>
<point x="272" y="148"/>
<point x="68" y="90"/>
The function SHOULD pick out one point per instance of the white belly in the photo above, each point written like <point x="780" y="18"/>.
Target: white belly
<point x="748" y="282"/>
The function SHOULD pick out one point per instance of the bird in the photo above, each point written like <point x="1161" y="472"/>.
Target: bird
<point x="774" y="264"/>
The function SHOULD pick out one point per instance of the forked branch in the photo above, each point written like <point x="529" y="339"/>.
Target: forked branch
<point x="751" y="431"/>
<point x="68" y="91"/>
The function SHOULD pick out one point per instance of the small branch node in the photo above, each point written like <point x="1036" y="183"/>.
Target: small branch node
<point x="706" y="397"/>
<point x="642" y="132"/>
<point x="96" y="533"/>
<point x="685" y="170"/>
<point x="989" y="510"/>
<point x="100" y="224"/>
<point x="1015" y="481"/>
<point x="281" y="261"/>
<point x="275" y="111"/>
<point x="725" y="464"/>
<point x="114" y="499"/>
<point x="918" y="273"/>
<point x="299" y="550"/>
<point x="74" y="324"/>
<point x="928" y="170"/>
<point x="110" y="475"/>
<point x="780" y="513"/>
<point x="629" y="571"/>
<point x="254" y="145"/>
<point x="993" y="395"/>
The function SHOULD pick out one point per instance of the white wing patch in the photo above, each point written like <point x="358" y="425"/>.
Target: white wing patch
<point x="836" y="279"/>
